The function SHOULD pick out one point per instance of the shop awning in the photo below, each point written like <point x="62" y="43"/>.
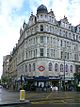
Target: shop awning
<point x="41" y="78"/>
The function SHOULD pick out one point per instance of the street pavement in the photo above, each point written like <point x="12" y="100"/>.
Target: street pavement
<point x="54" y="97"/>
<point x="58" y="99"/>
<point x="7" y="96"/>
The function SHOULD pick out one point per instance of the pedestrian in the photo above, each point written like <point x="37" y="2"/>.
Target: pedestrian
<point x="56" y="88"/>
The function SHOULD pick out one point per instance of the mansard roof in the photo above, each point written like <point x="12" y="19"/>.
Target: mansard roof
<point x="64" y="19"/>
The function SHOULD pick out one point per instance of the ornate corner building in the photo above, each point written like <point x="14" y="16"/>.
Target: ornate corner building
<point x="47" y="51"/>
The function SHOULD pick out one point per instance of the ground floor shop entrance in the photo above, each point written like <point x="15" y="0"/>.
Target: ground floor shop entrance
<point x="45" y="84"/>
<point x="41" y="84"/>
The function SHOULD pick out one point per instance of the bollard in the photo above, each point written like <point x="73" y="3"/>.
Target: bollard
<point x="22" y="95"/>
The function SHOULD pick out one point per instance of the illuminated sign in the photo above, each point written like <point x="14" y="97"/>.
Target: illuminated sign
<point x="41" y="68"/>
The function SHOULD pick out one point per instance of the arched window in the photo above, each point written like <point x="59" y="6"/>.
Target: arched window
<point x="61" y="68"/>
<point x="33" y="66"/>
<point x="56" y="67"/>
<point x="50" y="66"/>
<point x="71" y="68"/>
<point x="66" y="68"/>
<point x="41" y="27"/>
<point x="29" y="67"/>
<point x="25" y="68"/>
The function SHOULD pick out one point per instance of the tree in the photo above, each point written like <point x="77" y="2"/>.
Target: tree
<point x="77" y="80"/>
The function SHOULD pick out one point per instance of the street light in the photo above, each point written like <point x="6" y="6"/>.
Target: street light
<point x="64" y="69"/>
<point x="64" y="74"/>
<point x="21" y="80"/>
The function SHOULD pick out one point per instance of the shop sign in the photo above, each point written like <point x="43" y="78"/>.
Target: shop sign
<point x="54" y="77"/>
<point x="69" y="78"/>
<point x="41" y="68"/>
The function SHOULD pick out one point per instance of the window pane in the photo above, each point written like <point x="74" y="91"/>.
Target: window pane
<point x="29" y="67"/>
<point x="51" y="52"/>
<point x="33" y="66"/>
<point x="71" y="68"/>
<point x="41" y="52"/>
<point x="41" y="39"/>
<point x="47" y="52"/>
<point x="41" y="27"/>
<point x="61" y="43"/>
<point x="56" y="67"/>
<point x="50" y="66"/>
<point x="61" y="54"/>
<point x="66" y="68"/>
<point x="61" y="68"/>
<point x="25" y="68"/>
<point x="47" y="39"/>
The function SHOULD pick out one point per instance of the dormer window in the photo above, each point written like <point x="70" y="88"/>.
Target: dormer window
<point x="45" y="16"/>
<point x="77" y="37"/>
<point x="37" y="16"/>
<point x="50" y="18"/>
<point x="73" y="36"/>
<point x="66" y="33"/>
<point x="41" y="27"/>
<point x="32" y="19"/>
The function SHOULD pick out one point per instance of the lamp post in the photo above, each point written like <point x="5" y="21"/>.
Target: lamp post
<point x="21" y="80"/>
<point x="64" y="69"/>
<point x="64" y="73"/>
<point x="60" y="82"/>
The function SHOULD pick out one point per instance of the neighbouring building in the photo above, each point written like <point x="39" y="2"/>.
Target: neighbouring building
<point x="5" y="75"/>
<point x="47" y="50"/>
<point x="6" y="65"/>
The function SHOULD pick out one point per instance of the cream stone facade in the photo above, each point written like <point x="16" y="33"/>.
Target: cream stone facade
<point x="47" y="48"/>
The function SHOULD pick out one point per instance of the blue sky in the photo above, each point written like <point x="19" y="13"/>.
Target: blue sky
<point x="14" y="12"/>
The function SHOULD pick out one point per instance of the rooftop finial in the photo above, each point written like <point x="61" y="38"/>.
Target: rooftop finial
<point x="50" y="9"/>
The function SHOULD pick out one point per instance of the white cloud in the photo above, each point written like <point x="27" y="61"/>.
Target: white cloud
<point x="10" y="21"/>
<point x="9" y="27"/>
<point x="8" y="5"/>
<point x="69" y="8"/>
<point x="35" y="3"/>
<point x="74" y="11"/>
<point x="60" y="8"/>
